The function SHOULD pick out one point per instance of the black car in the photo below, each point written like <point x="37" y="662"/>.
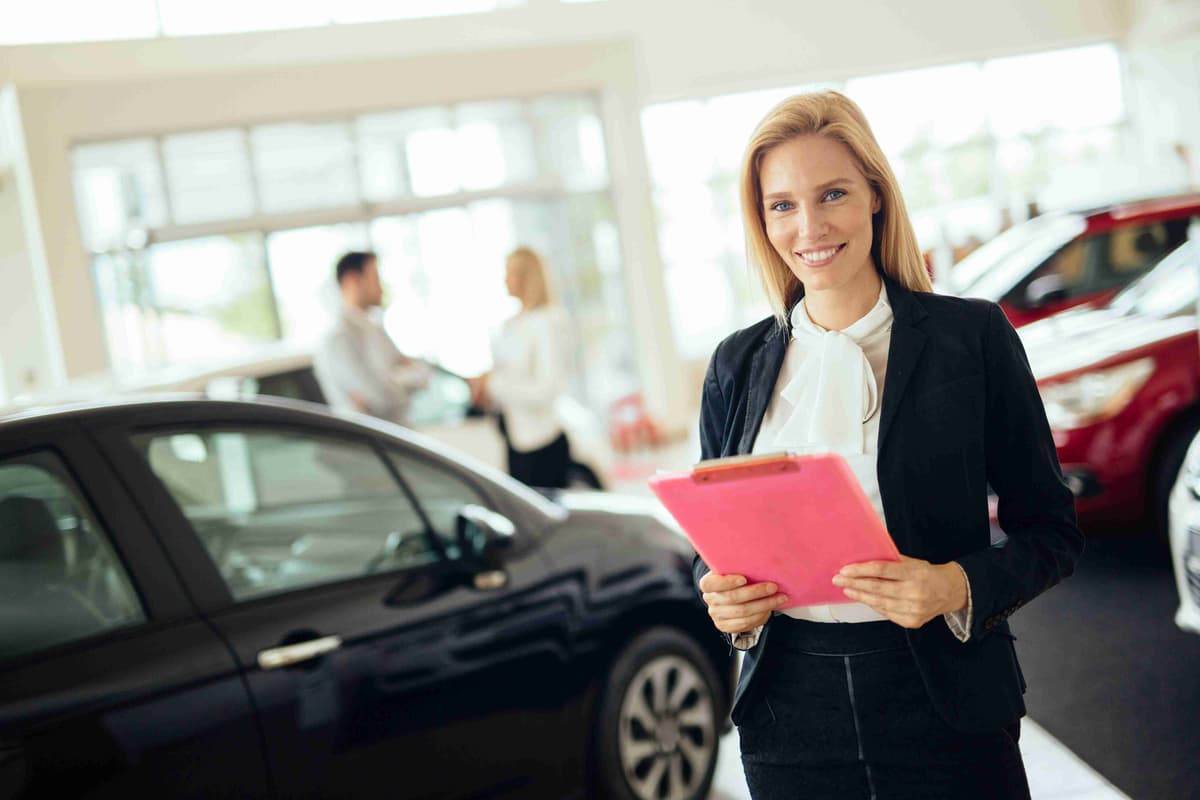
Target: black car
<point x="203" y="598"/>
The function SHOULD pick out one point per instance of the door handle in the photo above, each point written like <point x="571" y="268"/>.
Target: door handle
<point x="288" y="655"/>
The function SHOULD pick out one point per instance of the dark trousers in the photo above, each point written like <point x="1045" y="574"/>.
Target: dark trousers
<point x="841" y="712"/>
<point x="546" y="467"/>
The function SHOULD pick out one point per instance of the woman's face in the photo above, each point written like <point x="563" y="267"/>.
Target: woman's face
<point x="512" y="279"/>
<point x="817" y="208"/>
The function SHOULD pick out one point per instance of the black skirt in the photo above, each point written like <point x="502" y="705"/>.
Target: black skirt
<point x="546" y="467"/>
<point x="840" y="711"/>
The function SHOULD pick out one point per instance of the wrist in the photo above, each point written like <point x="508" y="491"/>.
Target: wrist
<point x="956" y="581"/>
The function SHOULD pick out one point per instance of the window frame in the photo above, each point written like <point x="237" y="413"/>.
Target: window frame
<point x="210" y="588"/>
<point x="84" y="471"/>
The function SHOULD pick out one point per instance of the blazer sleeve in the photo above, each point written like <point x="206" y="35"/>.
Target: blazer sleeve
<point x="1036" y="509"/>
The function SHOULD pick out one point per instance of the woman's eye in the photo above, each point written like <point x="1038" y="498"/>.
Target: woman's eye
<point x="781" y="205"/>
<point x="834" y="194"/>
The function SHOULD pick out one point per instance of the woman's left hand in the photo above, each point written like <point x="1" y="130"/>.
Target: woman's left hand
<point x="909" y="592"/>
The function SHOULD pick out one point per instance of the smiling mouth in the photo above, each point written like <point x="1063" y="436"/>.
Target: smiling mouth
<point x="817" y="258"/>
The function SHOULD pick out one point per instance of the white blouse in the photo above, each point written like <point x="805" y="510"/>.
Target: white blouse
<point x="828" y="398"/>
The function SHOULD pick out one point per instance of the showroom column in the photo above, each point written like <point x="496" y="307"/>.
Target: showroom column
<point x="31" y="359"/>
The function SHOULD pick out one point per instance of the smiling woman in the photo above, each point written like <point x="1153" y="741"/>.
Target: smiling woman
<point x="910" y="688"/>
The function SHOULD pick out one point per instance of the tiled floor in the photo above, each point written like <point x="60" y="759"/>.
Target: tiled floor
<point x="1055" y="773"/>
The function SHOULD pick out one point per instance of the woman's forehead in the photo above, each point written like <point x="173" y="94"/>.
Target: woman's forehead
<point x="808" y="161"/>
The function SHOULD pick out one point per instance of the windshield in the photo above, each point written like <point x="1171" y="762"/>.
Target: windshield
<point x="1168" y="290"/>
<point x="1000" y="264"/>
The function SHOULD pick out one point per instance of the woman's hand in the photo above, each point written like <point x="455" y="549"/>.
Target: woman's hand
<point x="478" y="387"/>
<point x="909" y="592"/>
<point x="736" y="607"/>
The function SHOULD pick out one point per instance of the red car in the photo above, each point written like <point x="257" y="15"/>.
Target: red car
<point x="1059" y="260"/>
<point x="1121" y="386"/>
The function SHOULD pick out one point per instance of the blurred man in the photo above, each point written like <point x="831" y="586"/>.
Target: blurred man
<point x="357" y="364"/>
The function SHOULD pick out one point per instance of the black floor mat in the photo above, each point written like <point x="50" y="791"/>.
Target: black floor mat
<point x="1111" y="677"/>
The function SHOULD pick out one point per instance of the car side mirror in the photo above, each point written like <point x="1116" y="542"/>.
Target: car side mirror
<point x="483" y="533"/>
<point x="1045" y="290"/>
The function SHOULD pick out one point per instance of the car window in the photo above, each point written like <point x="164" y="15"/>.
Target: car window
<point x="283" y="510"/>
<point x="1170" y="289"/>
<point x="1002" y="262"/>
<point x="59" y="578"/>
<point x="1106" y="260"/>
<point x="440" y="492"/>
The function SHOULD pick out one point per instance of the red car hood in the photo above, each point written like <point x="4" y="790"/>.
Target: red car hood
<point x="1081" y="338"/>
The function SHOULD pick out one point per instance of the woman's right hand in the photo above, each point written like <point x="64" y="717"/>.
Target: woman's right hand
<point x="736" y="607"/>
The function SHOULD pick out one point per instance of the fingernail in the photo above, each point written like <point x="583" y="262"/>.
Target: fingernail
<point x="772" y="588"/>
<point x="838" y="580"/>
<point x="741" y="581"/>
<point x="782" y="599"/>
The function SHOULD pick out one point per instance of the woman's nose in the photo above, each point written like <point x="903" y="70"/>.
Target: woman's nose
<point x="810" y="224"/>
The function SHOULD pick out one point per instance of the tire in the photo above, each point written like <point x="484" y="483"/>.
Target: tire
<point x="657" y="724"/>
<point x="1166" y="470"/>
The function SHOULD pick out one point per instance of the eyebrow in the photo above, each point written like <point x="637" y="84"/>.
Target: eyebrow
<point x="825" y="185"/>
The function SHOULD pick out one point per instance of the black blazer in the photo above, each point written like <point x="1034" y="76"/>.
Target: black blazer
<point x="960" y="411"/>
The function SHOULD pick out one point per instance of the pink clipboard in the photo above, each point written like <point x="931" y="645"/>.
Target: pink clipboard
<point x="791" y="519"/>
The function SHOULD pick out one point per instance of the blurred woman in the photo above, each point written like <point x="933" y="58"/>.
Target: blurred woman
<point x="529" y="374"/>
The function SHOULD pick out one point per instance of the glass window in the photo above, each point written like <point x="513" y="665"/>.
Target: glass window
<point x="571" y="141"/>
<point x="921" y="108"/>
<point x="283" y="510"/>
<point x="1170" y="289"/>
<point x="440" y="493"/>
<point x="119" y="191"/>
<point x="495" y="145"/>
<point x="1064" y="89"/>
<point x="59" y="578"/>
<point x="304" y="165"/>
<point x="193" y="300"/>
<point x="302" y="262"/>
<point x="208" y="176"/>
<point x="210" y="296"/>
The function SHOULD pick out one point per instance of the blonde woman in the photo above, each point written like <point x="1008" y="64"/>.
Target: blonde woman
<point x="529" y="374"/>
<point x="911" y="689"/>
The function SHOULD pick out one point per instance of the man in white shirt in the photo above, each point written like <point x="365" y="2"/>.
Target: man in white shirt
<point x="357" y="364"/>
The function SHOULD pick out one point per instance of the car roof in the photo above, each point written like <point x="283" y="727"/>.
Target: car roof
<point x="1147" y="208"/>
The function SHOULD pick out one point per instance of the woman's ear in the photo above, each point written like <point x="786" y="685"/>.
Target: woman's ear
<point x="876" y="201"/>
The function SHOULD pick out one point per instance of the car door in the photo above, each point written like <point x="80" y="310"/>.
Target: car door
<point x="110" y="683"/>
<point x="381" y="662"/>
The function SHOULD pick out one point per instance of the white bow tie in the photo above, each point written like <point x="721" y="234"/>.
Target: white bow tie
<point x="834" y="392"/>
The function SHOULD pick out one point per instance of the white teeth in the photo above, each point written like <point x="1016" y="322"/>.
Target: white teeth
<point x="818" y="255"/>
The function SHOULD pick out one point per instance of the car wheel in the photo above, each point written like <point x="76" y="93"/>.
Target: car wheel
<point x="657" y="724"/>
<point x="1170" y="460"/>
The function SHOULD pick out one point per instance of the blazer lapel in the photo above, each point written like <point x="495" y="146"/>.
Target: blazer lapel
<point x="903" y="353"/>
<point x="764" y="371"/>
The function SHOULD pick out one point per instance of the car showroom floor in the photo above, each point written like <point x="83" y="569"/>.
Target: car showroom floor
<point x="1055" y="772"/>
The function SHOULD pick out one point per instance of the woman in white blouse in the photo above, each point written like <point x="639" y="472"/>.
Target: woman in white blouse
<point x="529" y="374"/>
<point x="911" y="689"/>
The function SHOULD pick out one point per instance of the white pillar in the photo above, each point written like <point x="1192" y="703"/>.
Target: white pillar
<point x="31" y="358"/>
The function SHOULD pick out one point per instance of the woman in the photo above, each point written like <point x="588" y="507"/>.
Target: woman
<point x="528" y="375"/>
<point x="911" y="689"/>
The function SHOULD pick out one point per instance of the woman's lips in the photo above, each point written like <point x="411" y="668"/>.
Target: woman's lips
<point x="821" y="257"/>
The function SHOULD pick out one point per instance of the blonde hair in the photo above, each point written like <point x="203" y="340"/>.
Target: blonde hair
<point x="893" y="246"/>
<point x="534" y="282"/>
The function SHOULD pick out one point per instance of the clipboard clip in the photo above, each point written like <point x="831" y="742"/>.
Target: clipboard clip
<point x="718" y="470"/>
